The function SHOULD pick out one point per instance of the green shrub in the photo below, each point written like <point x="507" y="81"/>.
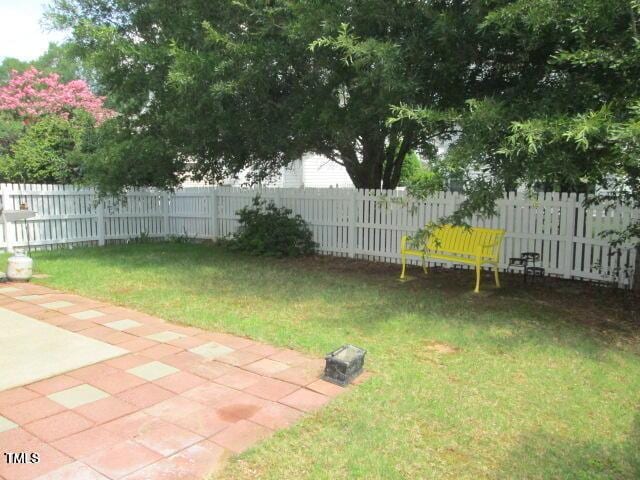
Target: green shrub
<point x="271" y="231"/>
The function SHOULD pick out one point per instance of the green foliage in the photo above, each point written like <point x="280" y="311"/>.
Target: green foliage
<point x="111" y="149"/>
<point x="10" y="131"/>
<point x="251" y="83"/>
<point x="556" y="110"/>
<point x="411" y="168"/>
<point x="50" y="151"/>
<point x="271" y="231"/>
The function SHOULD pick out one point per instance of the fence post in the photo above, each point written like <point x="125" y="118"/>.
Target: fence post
<point x="569" y="235"/>
<point x="165" y="215"/>
<point x="353" y="219"/>
<point x="213" y="211"/>
<point x="100" y="220"/>
<point x="9" y="232"/>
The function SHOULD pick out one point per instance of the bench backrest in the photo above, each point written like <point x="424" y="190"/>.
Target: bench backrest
<point x="466" y="241"/>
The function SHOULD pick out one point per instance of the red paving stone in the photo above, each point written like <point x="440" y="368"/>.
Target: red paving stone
<point x="166" y="438"/>
<point x="204" y="422"/>
<point x="74" y="471"/>
<point x="88" y="442"/>
<point x="122" y="459"/>
<point x="209" y="393"/>
<point x="127" y="361"/>
<point x="326" y="388"/>
<point x="305" y="400"/>
<point x="159" y="351"/>
<point x="180" y="382"/>
<point x="53" y="385"/>
<point x="275" y="416"/>
<point x="174" y="407"/>
<point x="116" y="382"/>
<point x="181" y="426"/>
<point x="16" y="395"/>
<point x="239" y="379"/>
<point x="240" y="436"/>
<point x="31" y="410"/>
<point x="58" y="426"/>
<point x="105" y="410"/>
<point x="271" y="389"/>
<point x="266" y="366"/>
<point x="195" y="462"/>
<point x="145" y="395"/>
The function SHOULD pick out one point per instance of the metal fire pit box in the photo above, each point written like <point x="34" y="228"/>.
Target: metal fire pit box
<point x="344" y="364"/>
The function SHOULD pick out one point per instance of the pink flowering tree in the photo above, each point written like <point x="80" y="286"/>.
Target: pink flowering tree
<point x="33" y="94"/>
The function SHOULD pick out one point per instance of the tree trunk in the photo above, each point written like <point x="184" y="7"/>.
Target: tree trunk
<point x="636" y="271"/>
<point x="381" y="162"/>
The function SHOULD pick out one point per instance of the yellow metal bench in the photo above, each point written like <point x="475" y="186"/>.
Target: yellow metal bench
<point x="473" y="246"/>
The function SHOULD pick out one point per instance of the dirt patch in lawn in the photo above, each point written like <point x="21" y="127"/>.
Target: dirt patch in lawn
<point x="441" y="348"/>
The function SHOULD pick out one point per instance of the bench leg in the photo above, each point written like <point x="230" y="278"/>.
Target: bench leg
<point x="404" y="266"/>
<point x="478" y="270"/>
<point x="425" y="269"/>
<point x="495" y="274"/>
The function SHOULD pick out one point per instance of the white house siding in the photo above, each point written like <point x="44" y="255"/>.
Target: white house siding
<point x="292" y="176"/>
<point x="311" y="171"/>
<point x="320" y="172"/>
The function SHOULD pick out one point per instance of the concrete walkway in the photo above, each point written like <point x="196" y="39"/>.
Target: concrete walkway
<point x="153" y="400"/>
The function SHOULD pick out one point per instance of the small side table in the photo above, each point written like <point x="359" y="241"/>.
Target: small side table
<point x="524" y="261"/>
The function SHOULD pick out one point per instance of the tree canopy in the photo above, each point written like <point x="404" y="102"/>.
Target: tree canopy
<point x="258" y="83"/>
<point x="560" y="105"/>
<point x="47" y="127"/>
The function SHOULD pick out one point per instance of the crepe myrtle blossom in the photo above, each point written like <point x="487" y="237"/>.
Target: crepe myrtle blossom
<point x="31" y="94"/>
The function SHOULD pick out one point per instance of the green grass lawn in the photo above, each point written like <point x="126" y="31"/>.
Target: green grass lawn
<point x="510" y="383"/>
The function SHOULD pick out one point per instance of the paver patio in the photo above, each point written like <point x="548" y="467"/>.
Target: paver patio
<point x="173" y="404"/>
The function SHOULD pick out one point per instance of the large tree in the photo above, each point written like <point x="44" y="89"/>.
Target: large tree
<point x="558" y="106"/>
<point x="257" y="83"/>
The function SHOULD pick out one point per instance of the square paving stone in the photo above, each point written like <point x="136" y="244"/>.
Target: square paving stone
<point x="122" y="459"/>
<point x="88" y="442"/>
<point x="9" y="289"/>
<point x="153" y="370"/>
<point x="165" y="336"/>
<point x="31" y="410"/>
<point x="166" y="438"/>
<point x="267" y="366"/>
<point x="29" y="298"/>
<point x="76" y="396"/>
<point x="211" y="350"/>
<point x="87" y="314"/>
<point x="58" y="304"/>
<point x="75" y="470"/>
<point x="241" y="435"/>
<point x="122" y="325"/>
<point x="6" y="424"/>
<point x="58" y="426"/>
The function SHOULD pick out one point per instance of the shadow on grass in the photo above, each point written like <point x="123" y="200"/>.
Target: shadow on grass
<point x="554" y="456"/>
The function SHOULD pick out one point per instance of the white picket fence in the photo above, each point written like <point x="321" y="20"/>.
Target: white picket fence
<point x="357" y="223"/>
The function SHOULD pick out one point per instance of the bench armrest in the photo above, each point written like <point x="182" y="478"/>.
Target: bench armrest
<point x="403" y="242"/>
